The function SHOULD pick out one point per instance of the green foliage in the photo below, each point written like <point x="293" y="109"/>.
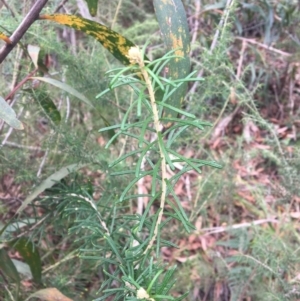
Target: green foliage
<point x="85" y="222"/>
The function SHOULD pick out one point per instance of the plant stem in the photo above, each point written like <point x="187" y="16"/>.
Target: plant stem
<point x="163" y="165"/>
<point x="22" y="28"/>
<point x="20" y="84"/>
<point x="136" y="56"/>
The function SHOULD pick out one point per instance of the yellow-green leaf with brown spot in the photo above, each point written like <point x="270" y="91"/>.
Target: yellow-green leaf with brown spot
<point x="115" y="43"/>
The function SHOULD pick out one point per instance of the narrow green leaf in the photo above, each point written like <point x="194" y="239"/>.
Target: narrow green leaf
<point x="9" y="116"/>
<point x="122" y="158"/>
<point x="175" y="31"/>
<point x="142" y="155"/>
<point x="49" y="182"/>
<point x="184" y="159"/>
<point x="114" y="248"/>
<point x="30" y="255"/>
<point x="176" y="109"/>
<point x="92" y="5"/>
<point x="130" y="185"/>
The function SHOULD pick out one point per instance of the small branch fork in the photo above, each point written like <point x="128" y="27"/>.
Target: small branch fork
<point x="135" y="56"/>
<point x="32" y="16"/>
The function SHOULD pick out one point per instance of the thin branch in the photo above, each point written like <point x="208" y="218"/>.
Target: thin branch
<point x="9" y="8"/>
<point x="215" y="39"/>
<point x="31" y="148"/>
<point x="60" y="6"/>
<point x="270" y="48"/>
<point x="196" y="21"/>
<point x="20" y="84"/>
<point x="135" y="56"/>
<point x="116" y="14"/>
<point x="42" y="163"/>
<point x="214" y="230"/>
<point x="32" y="15"/>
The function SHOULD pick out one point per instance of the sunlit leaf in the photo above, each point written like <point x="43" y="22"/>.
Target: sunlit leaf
<point x="33" y="52"/>
<point x="5" y="38"/>
<point x="30" y="255"/>
<point x="9" y="116"/>
<point x="115" y="43"/>
<point x="92" y="5"/>
<point x="37" y="56"/>
<point x="173" y="25"/>
<point x="22" y="268"/>
<point x="49" y="294"/>
<point x="49" y="182"/>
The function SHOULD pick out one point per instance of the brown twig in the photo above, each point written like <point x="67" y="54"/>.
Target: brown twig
<point x="60" y="6"/>
<point x="32" y="15"/>
<point x="9" y="8"/>
<point x="270" y="48"/>
<point x="20" y="84"/>
<point x="196" y="23"/>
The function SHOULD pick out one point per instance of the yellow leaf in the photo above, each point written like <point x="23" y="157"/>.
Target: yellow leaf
<point x="5" y="38"/>
<point x="115" y="43"/>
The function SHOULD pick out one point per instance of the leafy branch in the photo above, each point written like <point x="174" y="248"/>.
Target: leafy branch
<point x="136" y="56"/>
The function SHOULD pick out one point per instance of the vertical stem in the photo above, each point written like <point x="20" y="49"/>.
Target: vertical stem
<point x="163" y="164"/>
<point x="135" y="56"/>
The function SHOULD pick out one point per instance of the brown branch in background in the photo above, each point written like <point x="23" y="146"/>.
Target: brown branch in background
<point x="60" y="6"/>
<point x="270" y="48"/>
<point x="32" y="15"/>
<point x="9" y="8"/>
<point x="20" y="84"/>
<point x="196" y="22"/>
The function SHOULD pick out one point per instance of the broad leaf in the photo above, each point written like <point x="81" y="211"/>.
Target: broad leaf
<point x="9" y="116"/>
<point x="49" y="108"/>
<point x="33" y="52"/>
<point x="22" y="268"/>
<point x="115" y="43"/>
<point x="42" y="97"/>
<point x="30" y="255"/>
<point x="38" y="57"/>
<point x="174" y="28"/>
<point x="8" y="268"/>
<point x="49" y="182"/>
<point x="92" y="5"/>
<point x="65" y="87"/>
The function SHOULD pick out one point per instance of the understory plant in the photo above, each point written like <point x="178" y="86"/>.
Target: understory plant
<point x="143" y="274"/>
<point x="124" y="242"/>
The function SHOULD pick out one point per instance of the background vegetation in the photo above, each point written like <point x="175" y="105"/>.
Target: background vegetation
<point x="245" y="245"/>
